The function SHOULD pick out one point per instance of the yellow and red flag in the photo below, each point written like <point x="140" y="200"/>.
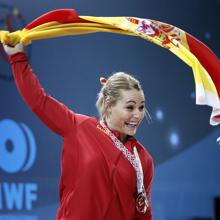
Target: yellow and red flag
<point x="204" y="63"/>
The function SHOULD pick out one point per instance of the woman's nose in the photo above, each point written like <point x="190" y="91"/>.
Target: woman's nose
<point x="137" y="114"/>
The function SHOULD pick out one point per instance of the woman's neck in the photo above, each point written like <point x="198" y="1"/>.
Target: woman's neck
<point x="122" y="137"/>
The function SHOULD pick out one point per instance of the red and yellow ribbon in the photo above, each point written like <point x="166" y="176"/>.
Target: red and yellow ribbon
<point x="204" y="63"/>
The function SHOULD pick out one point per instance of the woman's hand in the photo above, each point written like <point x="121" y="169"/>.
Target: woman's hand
<point x="13" y="50"/>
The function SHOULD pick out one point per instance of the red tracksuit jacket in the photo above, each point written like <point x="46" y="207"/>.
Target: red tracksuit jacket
<point x="97" y="181"/>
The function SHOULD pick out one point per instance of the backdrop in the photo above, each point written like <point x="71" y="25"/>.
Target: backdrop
<point x="179" y="137"/>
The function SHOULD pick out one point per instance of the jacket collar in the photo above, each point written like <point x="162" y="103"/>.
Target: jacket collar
<point x="117" y="134"/>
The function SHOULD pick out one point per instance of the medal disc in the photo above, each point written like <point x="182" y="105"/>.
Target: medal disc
<point x="141" y="203"/>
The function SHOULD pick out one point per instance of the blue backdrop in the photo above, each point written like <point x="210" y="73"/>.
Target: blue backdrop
<point x="179" y="137"/>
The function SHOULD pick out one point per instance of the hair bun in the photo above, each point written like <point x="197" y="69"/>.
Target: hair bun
<point x="103" y="80"/>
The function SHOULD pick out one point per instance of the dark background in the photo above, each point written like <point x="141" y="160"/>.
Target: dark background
<point x="179" y="137"/>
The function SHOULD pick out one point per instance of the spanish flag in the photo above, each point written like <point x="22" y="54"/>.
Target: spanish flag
<point x="204" y="63"/>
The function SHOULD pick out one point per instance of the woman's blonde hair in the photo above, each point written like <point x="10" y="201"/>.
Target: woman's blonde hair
<point x="110" y="91"/>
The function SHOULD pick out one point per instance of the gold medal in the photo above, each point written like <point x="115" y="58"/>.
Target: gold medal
<point x="141" y="203"/>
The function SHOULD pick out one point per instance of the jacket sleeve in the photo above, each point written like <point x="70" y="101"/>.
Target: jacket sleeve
<point x="148" y="179"/>
<point x="51" y="112"/>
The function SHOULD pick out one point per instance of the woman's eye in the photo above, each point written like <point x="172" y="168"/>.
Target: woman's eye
<point x="130" y="107"/>
<point x="141" y="108"/>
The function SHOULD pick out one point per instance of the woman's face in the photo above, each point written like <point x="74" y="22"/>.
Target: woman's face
<point x="127" y="113"/>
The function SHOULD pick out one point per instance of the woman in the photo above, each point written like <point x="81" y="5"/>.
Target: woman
<point x="106" y="172"/>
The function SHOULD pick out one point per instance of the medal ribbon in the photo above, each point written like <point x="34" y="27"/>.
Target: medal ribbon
<point x="134" y="160"/>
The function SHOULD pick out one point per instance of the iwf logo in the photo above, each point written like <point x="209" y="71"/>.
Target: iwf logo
<point x="17" y="147"/>
<point x="17" y="154"/>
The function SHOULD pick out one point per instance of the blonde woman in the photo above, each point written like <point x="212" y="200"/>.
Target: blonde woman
<point x="106" y="172"/>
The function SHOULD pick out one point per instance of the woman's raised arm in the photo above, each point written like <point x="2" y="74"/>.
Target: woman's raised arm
<point x="54" y="114"/>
